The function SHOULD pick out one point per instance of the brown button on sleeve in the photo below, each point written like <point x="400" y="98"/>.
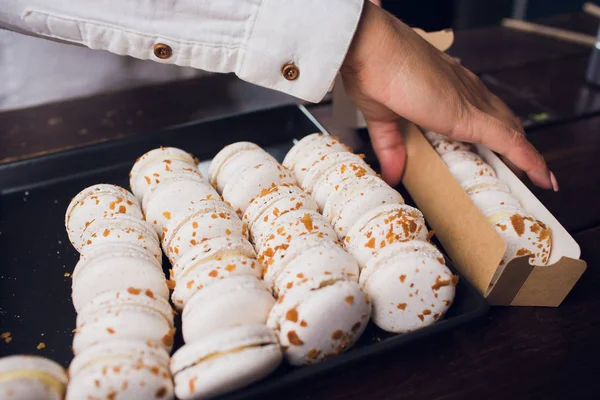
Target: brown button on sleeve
<point x="162" y="51"/>
<point x="290" y="72"/>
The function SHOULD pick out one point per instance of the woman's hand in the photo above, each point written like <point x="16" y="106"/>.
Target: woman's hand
<point x="391" y="72"/>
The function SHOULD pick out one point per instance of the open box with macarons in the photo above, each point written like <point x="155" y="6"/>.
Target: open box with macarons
<point x="468" y="232"/>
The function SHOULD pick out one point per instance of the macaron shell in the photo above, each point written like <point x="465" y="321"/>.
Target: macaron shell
<point x="486" y="200"/>
<point x="349" y="188"/>
<point x="327" y="162"/>
<point x="121" y="229"/>
<point x="117" y="273"/>
<point x="173" y="198"/>
<point x="306" y="142"/>
<point x="238" y="162"/>
<point x="97" y="202"/>
<point x="328" y="321"/>
<point x="157" y="170"/>
<point x="248" y="183"/>
<point x="358" y="203"/>
<point x="382" y="226"/>
<point x="227" y="372"/>
<point x="319" y="262"/>
<point x="410" y="294"/>
<point x="313" y="155"/>
<point x="430" y="135"/>
<point x="203" y="226"/>
<point x="222" y="156"/>
<point x="289" y="227"/>
<point x="464" y="165"/>
<point x="212" y="249"/>
<point x="210" y="272"/>
<point x="262" y="226"/>
<point x="399" y="252"/>
<point x="50" y="383"/>
<point x="483" y="183"/>
<point x="122" y="379"/>
<point x="237" y="307"/>
<point x="443" y="146"/>
<point x="524" y="235"/>
<point x="330" y="181"/>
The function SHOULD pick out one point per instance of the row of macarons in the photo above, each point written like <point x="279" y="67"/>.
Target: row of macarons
<point x="404" y="275"/>
<point x="125" y="325"/>
<point x="217" y="278"/>
<point x="524" y="235"/>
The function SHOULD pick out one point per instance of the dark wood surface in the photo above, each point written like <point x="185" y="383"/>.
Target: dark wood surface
<point x="549" y="353"/>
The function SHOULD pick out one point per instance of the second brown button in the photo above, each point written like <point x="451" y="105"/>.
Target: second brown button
<point x="290" y="72"/>
<point x="162" y="51"/>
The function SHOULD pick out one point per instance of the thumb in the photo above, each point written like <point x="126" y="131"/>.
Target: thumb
<point x="388" y="144"/>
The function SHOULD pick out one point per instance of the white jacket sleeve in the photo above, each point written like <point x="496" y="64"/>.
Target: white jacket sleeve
<point x="255" y="39"/>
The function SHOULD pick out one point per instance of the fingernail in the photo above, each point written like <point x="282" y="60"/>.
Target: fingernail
<point x="554" y="182"/>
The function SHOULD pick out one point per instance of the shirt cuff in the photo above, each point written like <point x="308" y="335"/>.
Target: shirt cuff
<point x="312" y="35"/>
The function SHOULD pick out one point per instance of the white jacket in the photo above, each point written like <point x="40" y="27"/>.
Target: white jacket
<point x="255" y="39"/>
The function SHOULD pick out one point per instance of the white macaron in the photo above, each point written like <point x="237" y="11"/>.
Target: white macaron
<point x="109" y="267"/>
<point x="208" y="220"/>
<point x="204" y="273"/>
<point x="121" y="369"/>
<point x="290" y="227"/>
<point x="226" y="160"/>
<point x="409" y="285"/>
<point x="319" y="319"/>
<point x="237" y="300"/>
<point x="446" y="145"/>
<point x="249" y="182"/>
<point x="488" y="193"/>
<point x="382" y="226"/>
<point x="465" y="165"/>
<point x="355" y="197"/>
<point x="97" y="202"/>
<point x="330" y="180"/>
<point x="271" y="204"/>
<point x="121" y="229"/>
<point x="175" y="196"/>
<point x="29" y="377"/>
<point x="328" y="162"/>
<point x="134" y="313"/>
<point x="225" y="361"/>
<point x="156" y="165"/>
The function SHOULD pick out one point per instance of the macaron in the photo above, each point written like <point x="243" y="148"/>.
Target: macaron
<point x="121" y="228"/>
<point x="134" y="313"/>
<point x="109" y="267"/>
<point x="355" y="197"/>
<point x="237" y="300"/>
<point x="210" y="219"/>
<point x="120" y="369"/>
<point x="465" y="165"/>
<point x="270" y="205"/>
<point x="319" y="319"/>
<point x="96" y="202"/>
<point x="430" y="135"/>
<point x="175" y="196"/>
<point x="156" y="165"/>
<point x="249" y="182"/>
<point x="330" y="161"/>
<point x="311" y="261"/>
<point x="29" y="377"/>
<point x="524" y="236"/>
<point x="399" y="250"/>
<point x="309" y="150"/>
<point x="225" y="361"/>
<point x="409" y="292"/>
<point x="235" y="158"/>
<point x="212" y="249"/>
<point x="446" y="145"/>
<point x="290" y="227"/>
<point x="208" y="272"/>
<point x="382" y="226"/>
<point x="331" y="179"/>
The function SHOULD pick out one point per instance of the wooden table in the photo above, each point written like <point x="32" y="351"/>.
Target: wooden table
<point x="512" y="352"/>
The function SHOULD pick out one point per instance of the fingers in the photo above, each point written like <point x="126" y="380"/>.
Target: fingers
<point x="480" y="127"/>
<point x="388" y="144"/>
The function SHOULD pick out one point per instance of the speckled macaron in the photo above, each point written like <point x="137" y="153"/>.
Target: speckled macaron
<point x="465" y="165"/>
<point x="29" y="377"/>
<point x="329" y="162"/>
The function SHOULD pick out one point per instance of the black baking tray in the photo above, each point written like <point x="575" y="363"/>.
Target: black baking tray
<point x="35" y="253"/>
